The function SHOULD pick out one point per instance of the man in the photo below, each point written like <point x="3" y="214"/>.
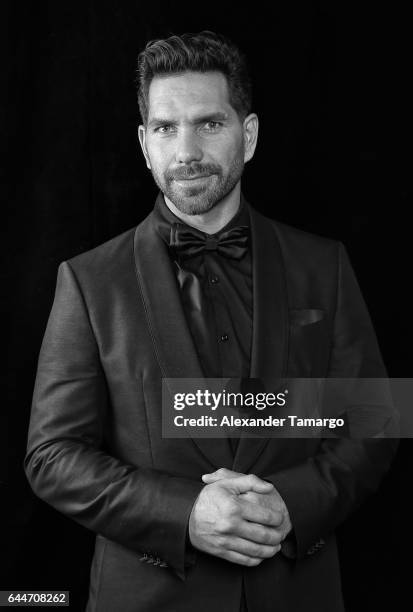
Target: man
<point x="204" y="287"/>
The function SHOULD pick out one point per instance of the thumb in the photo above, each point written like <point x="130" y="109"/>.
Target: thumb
<point x="220" y="475"/>
<point x="250" y="482"/>
<point x="209" y="478"/>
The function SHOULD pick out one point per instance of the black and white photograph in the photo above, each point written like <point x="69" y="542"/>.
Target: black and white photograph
<point x="207" y="307"/>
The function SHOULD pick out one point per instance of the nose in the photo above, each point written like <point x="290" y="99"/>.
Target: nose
<point x="188" y="147"/>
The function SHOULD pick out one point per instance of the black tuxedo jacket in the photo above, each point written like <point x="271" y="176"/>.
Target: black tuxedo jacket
<point x="96" y="452"/>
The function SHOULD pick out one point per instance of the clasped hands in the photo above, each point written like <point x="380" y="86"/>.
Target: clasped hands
<point x="238" y="517"/>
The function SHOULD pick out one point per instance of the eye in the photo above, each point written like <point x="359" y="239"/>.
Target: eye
<point x="212" y="126"/>
<point x="165" y="129"/>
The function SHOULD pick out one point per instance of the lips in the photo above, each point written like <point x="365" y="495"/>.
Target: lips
<point x="191" y="178"/>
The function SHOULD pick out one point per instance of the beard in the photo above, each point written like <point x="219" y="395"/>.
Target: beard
<point x="202" y="197"/>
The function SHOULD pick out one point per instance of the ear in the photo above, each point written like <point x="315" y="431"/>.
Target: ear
<point x="250" y="127"/>
<point x="142" y="142"/>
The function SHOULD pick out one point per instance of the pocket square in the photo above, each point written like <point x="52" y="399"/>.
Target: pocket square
<point x="306" y="316"/>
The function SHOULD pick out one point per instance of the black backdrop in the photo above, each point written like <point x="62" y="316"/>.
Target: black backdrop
<point x="331" y="90"/>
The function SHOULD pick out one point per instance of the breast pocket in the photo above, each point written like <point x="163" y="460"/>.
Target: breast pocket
<point x="309" y="343"/>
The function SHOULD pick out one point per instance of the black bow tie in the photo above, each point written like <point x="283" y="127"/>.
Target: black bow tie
<point x="189" y="242"/>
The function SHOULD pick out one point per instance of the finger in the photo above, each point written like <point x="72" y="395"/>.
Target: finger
<point x="251" y="549"/>
<point x="249" y="482"/>
<point x="259" y="534"/>
<point x="219" y="475"/>
<point x="234" y="557"/>
<point x="263" y="515"/>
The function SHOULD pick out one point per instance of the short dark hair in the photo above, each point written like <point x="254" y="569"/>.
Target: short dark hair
<point x="202" y="52"/>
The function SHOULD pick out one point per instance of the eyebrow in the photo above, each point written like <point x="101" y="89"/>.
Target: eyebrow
<point x="218" y="116"/>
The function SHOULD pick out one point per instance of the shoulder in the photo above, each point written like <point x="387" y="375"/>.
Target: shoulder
<point x="105" y="253"/>
<point x="307" y="240"/>
<point x="107" y="265"/>
<point x="297" y="243"/>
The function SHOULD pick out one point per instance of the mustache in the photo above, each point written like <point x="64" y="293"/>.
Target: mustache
<point x="195" y="169"/>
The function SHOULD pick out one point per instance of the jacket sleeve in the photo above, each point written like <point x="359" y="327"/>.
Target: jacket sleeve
<point x="321" y="492"/>
<point x="141" y="508"/>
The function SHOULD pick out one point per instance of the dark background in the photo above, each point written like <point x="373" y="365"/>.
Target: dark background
<point x="331" y="90"/>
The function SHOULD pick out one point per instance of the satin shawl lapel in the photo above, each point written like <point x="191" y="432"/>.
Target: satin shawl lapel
<point x="174" y="347"/>
<point x="270" y="323"/>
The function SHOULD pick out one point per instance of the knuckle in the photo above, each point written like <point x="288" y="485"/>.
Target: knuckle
<point x="249" y="561"/>
<point x="231" y="508"/>
<point x="267" y="516"/>
<point x="224" y="525"/>
<point x="222" y="543"/>
<point x="256" y="550"/>
<point x="268" y="538"/>
<point x="229" y="523"/>
<point x="249" y="496"/>
<point x="278" y="516"/>
<point x="224" y="554"/>
<point x="274" y="537"/>
<point x="253" y="562"/>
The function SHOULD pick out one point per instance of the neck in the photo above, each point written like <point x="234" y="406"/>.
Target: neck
<point x="216" y="218"/>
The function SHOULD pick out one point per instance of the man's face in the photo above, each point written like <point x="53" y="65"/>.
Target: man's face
<point x="194" y="142"/>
